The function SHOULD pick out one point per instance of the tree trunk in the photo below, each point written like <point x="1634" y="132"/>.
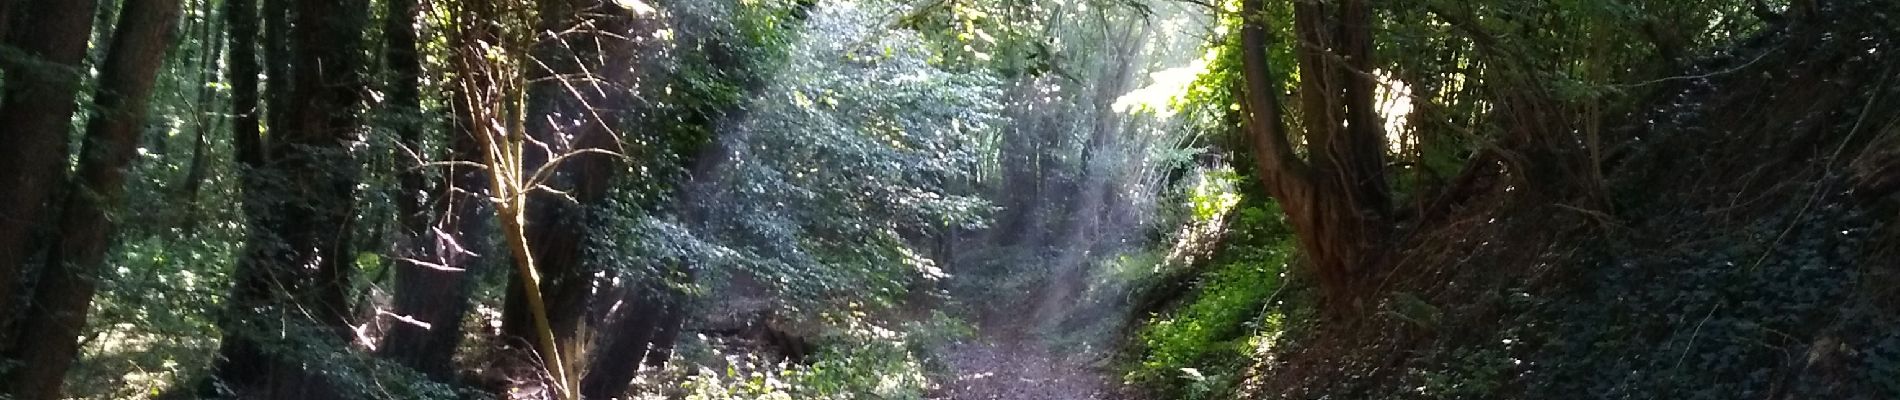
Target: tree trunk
<point x="1335" y="198"/>
<point x="405" y="105"/>
<point x="296" y="265"/>
<point x="278" y="58"/>
<point x="672" y="319"/>
<point x="236" y="356"/>
<point x="194" y="179"/>
<point x="36" y="114"/>
<point x="65" y="290"/>
<point x="6" y="19"/>
<point x="246" y="143"/>
<point x="203" y="117"/>
<point x="572" y="116"/>
<point x="614" y="365"/>
<point x="433" y="287"/>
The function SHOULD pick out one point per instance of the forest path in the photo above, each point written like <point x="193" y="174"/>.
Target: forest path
<point x="989" y="368"/>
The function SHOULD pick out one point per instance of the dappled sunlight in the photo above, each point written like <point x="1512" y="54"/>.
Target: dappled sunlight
<point x="949" y="199"/>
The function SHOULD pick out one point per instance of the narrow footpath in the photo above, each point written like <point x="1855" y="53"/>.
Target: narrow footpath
<point x="988" y="369"/>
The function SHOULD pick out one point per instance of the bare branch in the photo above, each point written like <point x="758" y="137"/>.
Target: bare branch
<point x="1265" y="124"/>
<point x="430" y="265"/>
<point x="470" y="164"/>
<point x="405" y="319"/>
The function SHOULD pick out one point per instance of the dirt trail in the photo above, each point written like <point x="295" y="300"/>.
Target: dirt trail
<point x="1019" y="370"/>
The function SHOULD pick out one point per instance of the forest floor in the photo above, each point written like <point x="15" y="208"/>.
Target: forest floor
<point x="1004" y="368"/>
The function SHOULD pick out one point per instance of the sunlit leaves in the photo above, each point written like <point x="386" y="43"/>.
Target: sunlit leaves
<point x="840" y="157"/>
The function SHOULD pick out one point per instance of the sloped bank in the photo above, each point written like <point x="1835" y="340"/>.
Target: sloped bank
<point x="1750" y="251"/>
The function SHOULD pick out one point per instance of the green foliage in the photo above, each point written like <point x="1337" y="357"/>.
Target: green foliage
<point x="878" y="364"/>
<point x="1214" y="195"/>
<point x="858" y="132"/>
<point x="1703" y="320"/>
<point x="147" y="328"/>
<point x="1210" y="107"/>
<point x="720" y="53"/>
<point x="152" y="321"/>
<point x="872" y="370"/>
<point x="1198" y="350"/>
<point x="843" y="155"/>
<point x="1467" y="373"/>
<point x="1883" y="364"/>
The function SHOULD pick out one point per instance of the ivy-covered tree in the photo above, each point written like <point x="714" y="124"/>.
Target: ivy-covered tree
<point x="298" y="262"/>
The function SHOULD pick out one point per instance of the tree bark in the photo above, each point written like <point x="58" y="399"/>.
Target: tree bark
<point x="405" y="100"/>
<point x="6" y="19"/>
<point x="613" y="366"/>
<point x="36" y="114"/>
<point x="296" y="265"/>
<point x="672" y="319"/>
<point x="237" y="356"/>
<point x="277" y="58"/>
<point x="247" y="145"/>
<point x="65" y="291"/>
<point x="1335" y="198"/>
<point x="432" y="287"/>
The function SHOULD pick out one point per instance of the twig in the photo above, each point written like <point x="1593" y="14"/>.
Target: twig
<point x="1692" y="335"/>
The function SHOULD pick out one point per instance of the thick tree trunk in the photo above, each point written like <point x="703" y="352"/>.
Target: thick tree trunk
<point x="278" y="58"/>
<point x="433" y="287"/>
<point x="65" y="290"/>
<point x="296" y="266"/>
<point x="246" y="143"/>
<point x="614" y="365"/>
<point x="661" y="345"/>
<point x="405" y="104"/>
<point x="236" y="356"/>
<point x="1336" y="197"/>
<point x="6" y="19"/>
<point x="36" y="114"/>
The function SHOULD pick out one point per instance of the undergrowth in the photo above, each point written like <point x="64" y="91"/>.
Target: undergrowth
<point x="859" y="359"/>
<point x="1198" y="350"/>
